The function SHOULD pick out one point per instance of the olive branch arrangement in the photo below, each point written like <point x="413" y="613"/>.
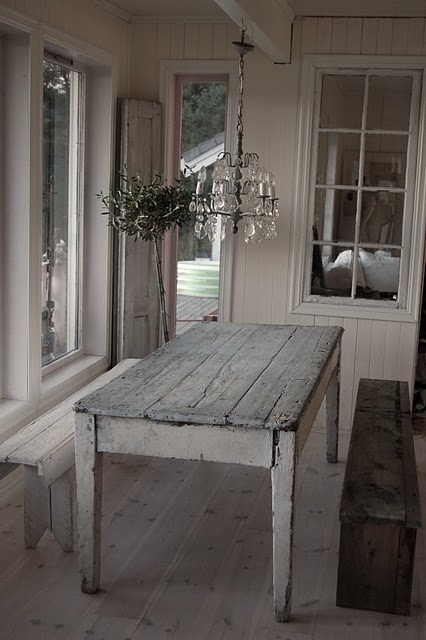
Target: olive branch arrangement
<point x="146" y="212"/>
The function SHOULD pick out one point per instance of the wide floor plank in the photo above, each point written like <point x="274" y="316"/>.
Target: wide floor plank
<point x="186" y="555"/>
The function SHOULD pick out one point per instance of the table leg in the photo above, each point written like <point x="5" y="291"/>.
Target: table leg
<point x="283" y="477"/>
<point x="332" y="415"/>
<point x="89" y="500"/>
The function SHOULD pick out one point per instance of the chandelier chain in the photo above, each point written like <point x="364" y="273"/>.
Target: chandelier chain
<point x="240" y="127"/>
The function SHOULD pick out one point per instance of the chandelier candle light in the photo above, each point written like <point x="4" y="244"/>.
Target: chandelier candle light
<point x="241" y="187"/>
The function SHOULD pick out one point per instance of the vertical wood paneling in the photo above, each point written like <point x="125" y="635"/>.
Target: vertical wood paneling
<point x="309" y="35"/>
<point x="399" y="36"/>
<point x="164" y="36"/>
<point x="297" y="38"/>
<point x="384" y="36"/>
<point x="369" y="35"/>
<point x="339" y="35"/>
<point x="377" y="350"/>
<point x="362" y="356"/>
<point x="391" y="359"/>
<point x="144" y="44"/>
<point x="321" y="321"/>
<point x="219" y="41"/>
<point x="407" y="359"/>
<point x="354" y="34"/>
<point x="324" y="28"/>
<point x="190" y="48"/>
<point x="415" y="36"/>
<point x="177" y="41"/>
<point x="347" y="371"/>
<point x="205" y="42"/>
<point x="232" y="34"/>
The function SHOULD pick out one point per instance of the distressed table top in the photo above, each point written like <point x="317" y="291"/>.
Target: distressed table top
<point x="251" y="375"/>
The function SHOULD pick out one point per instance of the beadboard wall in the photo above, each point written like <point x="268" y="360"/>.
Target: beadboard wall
<point x="261" y="273"/>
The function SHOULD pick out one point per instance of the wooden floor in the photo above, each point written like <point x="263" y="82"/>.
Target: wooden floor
<point x="191" y="309"/>
<point x="187" y="555"/>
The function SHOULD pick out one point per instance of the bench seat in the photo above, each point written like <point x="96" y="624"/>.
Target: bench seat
<point x="45" y="448"/>
<point x="380" y="508"/>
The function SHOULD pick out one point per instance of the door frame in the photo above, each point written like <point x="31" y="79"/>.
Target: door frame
<point x="199" y="69"/>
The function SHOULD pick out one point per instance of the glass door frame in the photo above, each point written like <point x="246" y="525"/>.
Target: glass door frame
<point x="173" y="73"/>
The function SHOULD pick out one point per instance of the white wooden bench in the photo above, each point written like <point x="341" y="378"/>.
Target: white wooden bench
<point x="45" y="448"/>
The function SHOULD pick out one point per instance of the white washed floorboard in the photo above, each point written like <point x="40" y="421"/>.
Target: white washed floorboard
<point x="156" y="528"/>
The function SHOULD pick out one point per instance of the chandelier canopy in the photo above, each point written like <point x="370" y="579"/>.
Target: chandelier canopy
<point x="242" y="187"/>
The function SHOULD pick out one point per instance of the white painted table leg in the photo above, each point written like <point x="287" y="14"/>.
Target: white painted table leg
<point x="89" y="500"/>
<point x="283" y="477"/>
<point x="332" y="416"/>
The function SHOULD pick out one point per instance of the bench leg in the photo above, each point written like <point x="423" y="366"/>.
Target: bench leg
<point x="332" y="416"/>
<point x="36" y="507"/>
<point x="283" y="476"/>
<point x="61" y="497"/>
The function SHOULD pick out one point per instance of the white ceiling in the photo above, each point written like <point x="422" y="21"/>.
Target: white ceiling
<point x="208" y="9"/>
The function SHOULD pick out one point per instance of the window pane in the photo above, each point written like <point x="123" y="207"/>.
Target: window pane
<point x="333" y="149"/>
<point x="342" y="101"/>
<point x="381" y="217"/>
<point x="380" y="270"/>
<point x="61" y="186"/>
<point x="331" y="271"/>
<point x="389" y="102"/>
<point x="335" y="212"/>
<point x="385" y="160"/>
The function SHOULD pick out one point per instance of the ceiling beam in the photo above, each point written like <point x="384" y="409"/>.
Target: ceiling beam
<point x="270" y="20"/>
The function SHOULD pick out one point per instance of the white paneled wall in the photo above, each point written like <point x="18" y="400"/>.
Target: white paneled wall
<point x="371" y="348"/>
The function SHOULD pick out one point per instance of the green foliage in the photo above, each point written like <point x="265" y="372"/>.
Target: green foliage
<point x="203" y="113"/>
<point x="147" y="211"/>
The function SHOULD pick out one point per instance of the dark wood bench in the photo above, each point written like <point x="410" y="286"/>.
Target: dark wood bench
<point x="380" y="508"/>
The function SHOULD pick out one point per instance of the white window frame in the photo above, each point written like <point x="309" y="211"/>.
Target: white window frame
<point x="26" y="391"/>
<point x="76" y="202"/>
<point x="301" y="239"/>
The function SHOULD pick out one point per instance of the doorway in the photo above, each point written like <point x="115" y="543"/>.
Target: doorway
<point x="199" y="125"/>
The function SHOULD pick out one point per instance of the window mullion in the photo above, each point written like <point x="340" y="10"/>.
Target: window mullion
<point x="359" y="189"/>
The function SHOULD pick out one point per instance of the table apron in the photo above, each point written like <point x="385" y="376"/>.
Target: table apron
<point x="212" y="443"/>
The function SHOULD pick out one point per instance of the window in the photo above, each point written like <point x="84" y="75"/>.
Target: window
<point x="362" y="181"/>
<point x="62" y="203"/>
<point x="56" y="127"/>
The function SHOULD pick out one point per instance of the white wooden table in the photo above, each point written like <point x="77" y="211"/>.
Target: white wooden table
<point x="223" y="392"/>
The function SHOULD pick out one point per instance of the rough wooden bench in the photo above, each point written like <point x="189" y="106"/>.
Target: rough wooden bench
<point x="45" y="448"/>
<point x="380" y="508"/>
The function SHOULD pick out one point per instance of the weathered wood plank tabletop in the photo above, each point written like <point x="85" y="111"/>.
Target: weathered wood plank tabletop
<point x="224" y="392"/>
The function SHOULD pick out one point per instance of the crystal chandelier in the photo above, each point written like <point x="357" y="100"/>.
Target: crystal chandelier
<point x="242" y="188"/>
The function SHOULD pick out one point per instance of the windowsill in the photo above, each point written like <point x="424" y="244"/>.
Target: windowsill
<point x="56" y="386"/>
<point x="71" y="377"/>
<point x="357" y="311"/>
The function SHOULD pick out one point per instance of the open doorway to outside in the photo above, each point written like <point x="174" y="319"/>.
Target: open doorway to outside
<point x="200" y="113"/>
